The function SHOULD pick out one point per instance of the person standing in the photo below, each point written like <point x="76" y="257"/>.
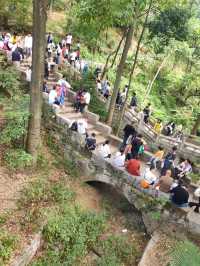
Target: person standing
<point x="133" y="103"/>
<point x="136" y="143"/>
<point x="16" y="58"/>
<point x="28" y="42"/>
<point x="158" y="127"/>
<point x="147" y="112"/>
<point x="85" y="100"/>
<point x="52" y="95"/>
<point x="129" y="130"/>
<point x="49" y="38"/>
<point x="69" y="40"/>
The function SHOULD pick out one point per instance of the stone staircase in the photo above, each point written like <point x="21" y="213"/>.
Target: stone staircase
<point x="69" y="115"/>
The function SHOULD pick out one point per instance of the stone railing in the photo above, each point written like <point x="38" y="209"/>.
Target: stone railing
<point x="94" y="168"/>
<point x="185" y="148"/>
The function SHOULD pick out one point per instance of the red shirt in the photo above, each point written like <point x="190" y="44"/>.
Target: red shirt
<point x="133" y="167"/>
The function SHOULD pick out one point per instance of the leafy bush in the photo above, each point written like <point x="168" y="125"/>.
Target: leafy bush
<point x="69" y="235"/>
<point x="17" y="114"/>
<point x="184" y="254"/>
<point x="7" y="244"/>
<point x="117" y="250"/>
<point x="18" y="159"/>
<point x="44" y="191"/>
<point x="9" y="81"/>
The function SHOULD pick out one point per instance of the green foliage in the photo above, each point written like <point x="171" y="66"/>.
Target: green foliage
<point x="18" y="159"/>
<point x="117" y="250"/>
<point x="171" y="23"/>
<point x="7" y="244"/>
<point x="69" y="235"/>
<point x="14" y="130"/>
<point x="9" y="81"/>
<point x="44" y="191"/>
<point x="16" y="13"/>
<point x="185" y="253"/>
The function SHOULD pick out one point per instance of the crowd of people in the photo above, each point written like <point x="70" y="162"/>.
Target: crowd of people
<point x="162" y="173"/>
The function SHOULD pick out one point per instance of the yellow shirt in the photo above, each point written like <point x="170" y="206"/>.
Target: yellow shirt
<point x="158" y="127"/>
<point x="159" y="154"/>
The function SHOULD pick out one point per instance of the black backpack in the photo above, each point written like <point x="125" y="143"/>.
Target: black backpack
<point x="74" y="126"/>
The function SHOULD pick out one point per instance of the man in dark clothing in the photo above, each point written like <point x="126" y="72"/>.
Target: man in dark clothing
<point x="168" y="161"/>
<point x="90" y="142"/>
<point x="180" y="196"/>
<point x="16" y="56"/>
<point x="128" y="131"/>
<point x="136" y="143"/>
<point x="133" y="103"/>
<point x="147" y="112"/>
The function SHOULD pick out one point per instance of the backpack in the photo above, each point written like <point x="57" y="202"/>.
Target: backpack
<point x="74" y="126"/>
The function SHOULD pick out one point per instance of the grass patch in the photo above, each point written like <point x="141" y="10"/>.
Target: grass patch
<point x="45" y="191"/>
<point x="8" y="243"/>
<point x="185" y="253"/>
<point x="18" y="159"/>
<point x="117" y="250"/>
<point x="69" y="235"/>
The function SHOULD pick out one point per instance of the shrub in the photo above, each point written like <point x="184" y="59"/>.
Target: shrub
<point x="9" y="81"/>
<point x="18" y="159"/>
<point x="7" y="244"/>
<point x="16" y="113"/>
<point x="185" y="253"/>
<point x="69" y="235"/>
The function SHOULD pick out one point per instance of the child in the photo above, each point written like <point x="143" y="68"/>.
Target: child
<point x="157" y="157"/>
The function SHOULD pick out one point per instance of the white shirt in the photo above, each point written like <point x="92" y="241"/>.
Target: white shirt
<point x="28" y="41"/>
<point x="149" y="176"/>
<point x="99" y="86"/>
<point x="69" y="39"/>
<point x="28" y="75"/>
<point x="73" y="56"/>
<point x="87" y="97"/>
<point x="52" y="96"/>
<point x="82" y="127"/>
<point x="141" y="116"/>
<point x="64" y="83"/>
<point x="119" y="160"/>
<point x="58" y="50"/>
<point x="104" y="150"/>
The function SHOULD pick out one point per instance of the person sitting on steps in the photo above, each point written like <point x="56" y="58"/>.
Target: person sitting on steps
<point x="90" y="142"/>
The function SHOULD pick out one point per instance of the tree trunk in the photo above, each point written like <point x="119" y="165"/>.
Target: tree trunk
<point x="39" y="31"/>
<point x="155" y="77"/>
<point x="119" y="72"/>
<point x="196" y="125"/>
<point x="133" y="67"/>
<point x="105" y="69"/>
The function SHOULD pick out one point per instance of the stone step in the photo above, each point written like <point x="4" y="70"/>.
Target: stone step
<point x="100" y="139"/>
<point x="93" y="130"/>
<point x="67" y="109"/>
<point x="73" y="116"/>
